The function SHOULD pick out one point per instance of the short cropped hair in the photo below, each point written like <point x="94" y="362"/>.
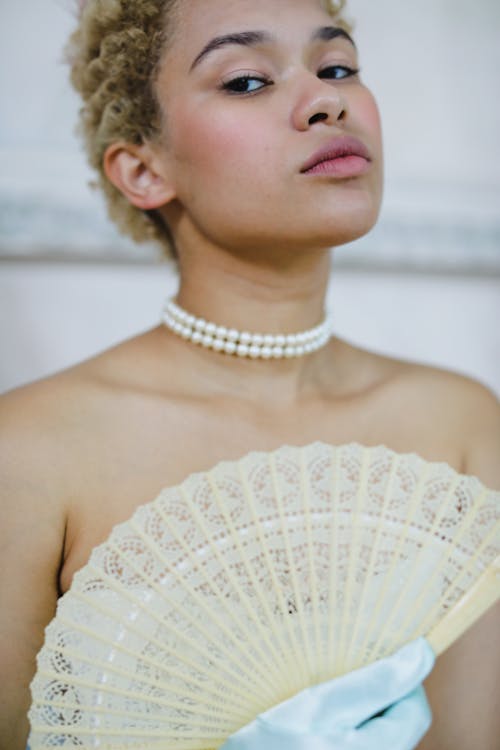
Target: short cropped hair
<point x="114" y="56"/>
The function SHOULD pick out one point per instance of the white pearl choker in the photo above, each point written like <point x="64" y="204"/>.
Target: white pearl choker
<point x="244" y="344"/>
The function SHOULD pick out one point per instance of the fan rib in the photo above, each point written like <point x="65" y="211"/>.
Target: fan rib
<point x="315" y="667"/>
<point x="472" y="559"/>
<point x="107" y="666"/>
<point x="416" y="564"/>
<point x="199" y="600"/>
<point x="190" y="714"/>
<point x="469" y="570"/>
<point x="201" y="603"/>
<point x="230" y="610"/>
<point x="294" y="677"/>
<point x="333" y="649"/>
<point x="304" y="648"/>
<point x="353" y="556"/>
<point x="278" y="655"/>
<point x="418" y="599"/>
<point x="72" y="679"/>
<point x="387" y="587"/>
<point x="158" y="744"/>
<point x="297" y="599"/>
<point x="194" y="743"/>
<point x="148" y="638"/>
<point x="172" y="671"/>
<point x="473" y="604"/>
<point x="368" y="577"/>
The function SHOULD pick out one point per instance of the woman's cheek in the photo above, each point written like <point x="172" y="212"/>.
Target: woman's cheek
<point x="218" y="140"/>
<point x="370" y="114"/>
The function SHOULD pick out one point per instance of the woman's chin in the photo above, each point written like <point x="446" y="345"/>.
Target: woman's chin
<point x="344" y="231"/>
<point x="352" y="234"/>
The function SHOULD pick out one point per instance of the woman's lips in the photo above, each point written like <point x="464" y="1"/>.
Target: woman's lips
<point x="343" y="156"/>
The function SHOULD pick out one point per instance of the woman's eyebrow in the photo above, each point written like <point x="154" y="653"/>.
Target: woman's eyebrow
<point x="252" y="38"/>
<point x="327" y="33"/>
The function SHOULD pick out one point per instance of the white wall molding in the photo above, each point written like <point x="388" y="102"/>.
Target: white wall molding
<point x="423" y="227"/>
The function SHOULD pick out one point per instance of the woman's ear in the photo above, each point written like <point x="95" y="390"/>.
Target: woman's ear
<point x="137" y="173"/>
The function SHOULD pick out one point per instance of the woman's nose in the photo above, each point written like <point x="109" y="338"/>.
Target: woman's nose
<point x="319" y="101"/>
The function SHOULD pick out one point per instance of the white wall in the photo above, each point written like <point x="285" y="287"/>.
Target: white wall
<point x="53" y="315"/>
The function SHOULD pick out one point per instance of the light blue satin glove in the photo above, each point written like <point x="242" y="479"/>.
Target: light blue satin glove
<point x="379" y="707"/>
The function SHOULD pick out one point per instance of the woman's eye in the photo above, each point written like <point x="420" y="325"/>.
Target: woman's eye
<point x="338" y="72"/>
<point x="245" y="84"/>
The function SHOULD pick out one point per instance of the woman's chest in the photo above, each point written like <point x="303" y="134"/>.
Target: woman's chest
<point x="126" y="468"/>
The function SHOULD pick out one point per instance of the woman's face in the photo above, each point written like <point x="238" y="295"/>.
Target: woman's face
<point x="251" y="91"/>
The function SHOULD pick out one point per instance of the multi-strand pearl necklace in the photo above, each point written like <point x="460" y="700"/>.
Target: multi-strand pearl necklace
<point x="243" y="343"/>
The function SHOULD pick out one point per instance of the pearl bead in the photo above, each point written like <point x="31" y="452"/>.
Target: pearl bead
<point x="245" y="337"/>
<point x="280" y="340"/>
<point x="200" y="324"/>
<point x="218" y="345"/>
<point x="230" y="347"/>
<point x="207" y="341"/>
<point x="278" y="352"/>
<point x="254" y="352"/>
<point x="289" y="351"/>
<point x="266" y="352"/>
<point x="210" y="328"/>
<point x="233" y="335"/>
<point x="221" y="332"/>
<point x="196" y="337"/>
<point x="242" y="350"/>
<point x="258" y="339"/>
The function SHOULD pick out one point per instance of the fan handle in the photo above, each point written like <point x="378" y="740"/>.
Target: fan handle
<point x="482" y="596"/>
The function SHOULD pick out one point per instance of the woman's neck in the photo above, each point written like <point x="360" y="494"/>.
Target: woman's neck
<point x="276" y="298"/>
<point x="270" y="299"/>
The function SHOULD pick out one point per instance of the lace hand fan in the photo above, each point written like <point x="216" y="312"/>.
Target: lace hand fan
<point x="242" y="586"/>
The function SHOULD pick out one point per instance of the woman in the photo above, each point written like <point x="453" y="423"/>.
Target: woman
<point x="244" y="139"/>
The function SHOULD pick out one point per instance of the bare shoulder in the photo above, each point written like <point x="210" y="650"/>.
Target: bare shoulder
<point x="33" y="421"/>
<point x="33" y="520"/>
<point x="32" y="463"/>
<point x="466" y="409"/>
<point x="430" y="383"/>
<point x="46" y="425"/>
<point x="440" y="410"/>
<point x="479" y="408"/>
<point x="28" y="417"/>
<point x="49" y="407"/>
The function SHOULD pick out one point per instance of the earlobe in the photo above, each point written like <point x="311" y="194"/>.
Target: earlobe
<point x="134" y="171"/>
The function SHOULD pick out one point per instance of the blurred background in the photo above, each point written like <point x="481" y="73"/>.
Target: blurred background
<point x="424" y="285"/>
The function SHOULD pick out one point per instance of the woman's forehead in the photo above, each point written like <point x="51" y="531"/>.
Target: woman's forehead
<point x="197" y="20"/>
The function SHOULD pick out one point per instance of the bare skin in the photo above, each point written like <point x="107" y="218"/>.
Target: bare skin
<point x="82" y="450"/>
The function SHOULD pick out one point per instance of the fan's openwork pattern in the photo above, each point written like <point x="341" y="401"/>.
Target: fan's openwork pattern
<point x="235" y="590"/>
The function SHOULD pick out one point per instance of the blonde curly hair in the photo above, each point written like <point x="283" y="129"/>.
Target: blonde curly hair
<point x="114" y="56"/>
